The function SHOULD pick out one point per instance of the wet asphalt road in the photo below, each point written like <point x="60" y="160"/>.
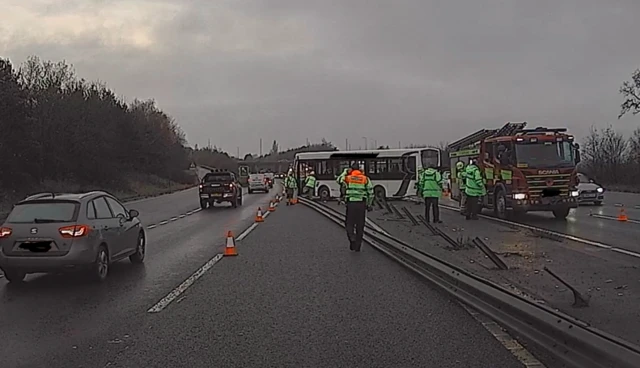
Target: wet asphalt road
<point x="582" y="223"/>
<point x="294" y="297"/>
<point x="45" y="319"/>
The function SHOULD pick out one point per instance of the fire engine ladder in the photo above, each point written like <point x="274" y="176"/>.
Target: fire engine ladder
<point x="472" y="139"/>
<point x="510" y="129"/>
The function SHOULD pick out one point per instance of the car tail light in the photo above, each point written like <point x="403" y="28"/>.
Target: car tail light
<point x="5" y="232"/>
<point x="200" y="186"/>
<point x="230" y="186"/>
<point x="74" y="231"/>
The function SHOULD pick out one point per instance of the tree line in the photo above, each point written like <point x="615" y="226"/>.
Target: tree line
<point x="610" y="157"/>
<point x="58" y="128"/>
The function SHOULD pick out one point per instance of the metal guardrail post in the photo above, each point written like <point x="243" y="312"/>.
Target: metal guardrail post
<point x="410" y="216"/>
<point x="489" y="253"/>
<point x="579" y="301"/>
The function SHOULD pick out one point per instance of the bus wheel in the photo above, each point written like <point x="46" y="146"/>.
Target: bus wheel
<point x="324" y="193"/>
<point x="379" y="192"/>
<point x="500" y="205"/>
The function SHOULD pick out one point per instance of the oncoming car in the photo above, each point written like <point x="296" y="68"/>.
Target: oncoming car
<point x="589" y="191"/>
<point x="50" y="232"/>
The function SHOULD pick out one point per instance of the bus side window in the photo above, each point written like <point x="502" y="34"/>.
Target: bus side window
<point x="409" y="164"/>
<point x="395" y="164"/>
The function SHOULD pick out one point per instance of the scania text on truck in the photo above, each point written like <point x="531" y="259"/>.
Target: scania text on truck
<point x="525" y="169"/>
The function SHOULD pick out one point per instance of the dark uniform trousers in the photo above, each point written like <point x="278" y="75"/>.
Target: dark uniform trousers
<point x="356" y="217"/>
<point x="431" y="203"/>
<point x="473" y="207"/>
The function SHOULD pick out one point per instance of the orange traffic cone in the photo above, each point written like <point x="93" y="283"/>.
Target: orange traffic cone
<point x="272" y="206"/>
<point x="622" y="216"/>
<point x="259" y="215"/>
<point x="230" y="248"/>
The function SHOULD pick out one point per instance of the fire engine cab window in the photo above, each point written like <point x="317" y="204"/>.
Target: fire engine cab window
<point x="545" y="154"/>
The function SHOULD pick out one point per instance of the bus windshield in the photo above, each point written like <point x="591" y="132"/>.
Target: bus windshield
<point x="545" y="154"/>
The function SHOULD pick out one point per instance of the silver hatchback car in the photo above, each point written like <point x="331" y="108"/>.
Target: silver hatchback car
<point x="50" y="232"/>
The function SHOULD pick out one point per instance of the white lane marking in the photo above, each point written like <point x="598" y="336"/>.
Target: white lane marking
<point x="508" y="341"/>
<point x="152" y="226"/>
<point x="606" y="217"/>
<point x="182" y="216"/>
<point x="173" y="219"/>
<point x="163" y="223"/>
<point x="175" y="293"/>
<point x="534" y="228"/>
<point x="627" y="252"/>
<point x="561" y="235"/>
<point x="247" y="231"/>
<point x="164" y="302"/>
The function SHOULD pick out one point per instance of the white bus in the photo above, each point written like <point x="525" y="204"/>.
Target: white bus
<point x="392" y="171"/>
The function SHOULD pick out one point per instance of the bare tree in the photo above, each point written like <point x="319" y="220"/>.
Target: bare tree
<point x="630" y="90"/>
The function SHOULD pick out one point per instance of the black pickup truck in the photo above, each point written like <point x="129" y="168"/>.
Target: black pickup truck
<point x="220" y="186"/>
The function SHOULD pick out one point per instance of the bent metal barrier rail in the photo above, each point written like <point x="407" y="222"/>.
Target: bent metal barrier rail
<point x="573" y="342"/>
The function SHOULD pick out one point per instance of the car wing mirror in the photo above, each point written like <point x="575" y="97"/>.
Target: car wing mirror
<point x="134" y="213"/>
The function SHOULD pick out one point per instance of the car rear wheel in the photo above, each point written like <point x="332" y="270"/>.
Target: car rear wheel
<point x="141" y="248"/>
<point x="15" y="276"/>
<point x="203" y="205"/>
<point x="240" y="201"/>
<point x="100" y="267"/>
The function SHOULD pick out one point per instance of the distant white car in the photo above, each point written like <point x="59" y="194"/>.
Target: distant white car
<point x="258" y="182"/>
<point x="589" y="191"/>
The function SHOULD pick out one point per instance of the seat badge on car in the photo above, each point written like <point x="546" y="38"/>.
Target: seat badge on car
<point x="34" y="230"/>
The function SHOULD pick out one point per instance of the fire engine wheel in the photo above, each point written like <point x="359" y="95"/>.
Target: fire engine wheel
<point x="500" y="205"/>
<point x="561" y="213"/>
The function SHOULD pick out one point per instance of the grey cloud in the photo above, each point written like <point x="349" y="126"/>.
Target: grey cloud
<point x="404" y="70"/>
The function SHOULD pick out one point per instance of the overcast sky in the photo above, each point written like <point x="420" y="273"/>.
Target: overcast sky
<point x="415" y="71"/>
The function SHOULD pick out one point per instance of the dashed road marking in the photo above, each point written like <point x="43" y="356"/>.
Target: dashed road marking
<point x="164" y="302"/>
<point x="175" y="218"/>
<point x="175" y="293"/>
<point x="509" y="342"/>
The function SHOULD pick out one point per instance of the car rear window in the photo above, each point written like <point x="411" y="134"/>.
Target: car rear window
<point x="218" y="178"/>
<point x="256" y="177"/>
<point x="40" y="212"/>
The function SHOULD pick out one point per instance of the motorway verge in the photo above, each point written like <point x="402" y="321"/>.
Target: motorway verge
<point x="139" y="188"/>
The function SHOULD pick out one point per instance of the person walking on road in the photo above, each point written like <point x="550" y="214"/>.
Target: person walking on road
<point x="310" y="185"/>
<point x="430" y="188"/>
<point x="474" y="189"/>
<point x="460" y="175"/>
<point x="341" y="183"/>
<point x="359" y="197"/>
<point x="290" y="186"/>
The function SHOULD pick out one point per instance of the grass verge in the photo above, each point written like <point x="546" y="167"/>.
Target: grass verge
<point x="138" y="186"/>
